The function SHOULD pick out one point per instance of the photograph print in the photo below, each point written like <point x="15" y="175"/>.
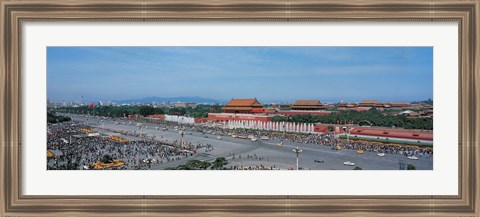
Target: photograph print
<point x="239" y="108"/>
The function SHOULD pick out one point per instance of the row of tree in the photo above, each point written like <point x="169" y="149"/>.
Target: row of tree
<point x="218" y="164"/>
<point x="371" y="117"/>
<point x="200" y="111"/>
<point x="53" y="118"/>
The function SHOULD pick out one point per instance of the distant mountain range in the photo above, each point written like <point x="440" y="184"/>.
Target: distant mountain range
<point x="195" y="99"/>
<point x="204" y="100"/>
<point x="428" y="101"/>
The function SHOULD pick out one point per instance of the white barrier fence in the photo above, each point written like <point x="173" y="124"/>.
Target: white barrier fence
<point x="272" y="126"/>
<point x="179" y="119"/>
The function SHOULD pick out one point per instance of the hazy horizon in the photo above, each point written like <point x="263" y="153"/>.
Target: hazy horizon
<point x="280" y="74"/>
<point x="226" y="100"/>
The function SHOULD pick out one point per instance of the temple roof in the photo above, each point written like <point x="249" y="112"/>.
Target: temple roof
<point x="307" y="103"/>
<point x="370" y="102"/>
<point x="243" y="103"/>
<point x="400" y="103"/>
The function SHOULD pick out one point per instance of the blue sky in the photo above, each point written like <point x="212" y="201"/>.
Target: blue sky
<point x="329" y="74"/>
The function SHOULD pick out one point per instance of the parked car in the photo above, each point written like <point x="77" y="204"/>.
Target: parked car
<point x="348" y="163"/>
<point x="412" y="157"/>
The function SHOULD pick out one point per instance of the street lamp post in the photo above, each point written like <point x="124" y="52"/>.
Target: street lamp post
<point x="297" y="151"/>
<point x="149" y="162"/>
<point x="348" y="134"/>
<point x="181" y="139"/>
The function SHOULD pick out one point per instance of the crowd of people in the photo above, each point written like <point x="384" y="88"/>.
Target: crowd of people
<point x="76" y="151"/>
<point x="256" y="167"/>
<point x="327" y="139"/>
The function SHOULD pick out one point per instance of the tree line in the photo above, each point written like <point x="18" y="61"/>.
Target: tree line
<point x="53" y="118"/>
<point x="218" y="164"/>
<point x="371" y="117"/>
<point x="201" y="111"/>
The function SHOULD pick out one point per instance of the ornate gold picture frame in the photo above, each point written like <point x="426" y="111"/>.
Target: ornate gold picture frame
<point x="14" y="13"/>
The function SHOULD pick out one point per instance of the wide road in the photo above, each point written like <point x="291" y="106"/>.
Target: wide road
<point x="268" y="153"/>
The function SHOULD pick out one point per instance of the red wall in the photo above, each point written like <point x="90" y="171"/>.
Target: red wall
<point x="159" y="117"/>
<point x="320" y="128"/>
<point x="379" y="132"/>
<point x="395" y="133"/>
<point x="200" y="120"/>
<point x="229" y="117"/>
<point x="292" y="112"/>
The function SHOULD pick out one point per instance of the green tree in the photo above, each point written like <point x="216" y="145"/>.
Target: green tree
<point x="194" y="165"/>
<point x="53" y="118"/>
<point x="146" y="110"/>
<point x="159" y="111"/>
<point x="177" y="111"/>
<point x="107" y="159"/>
<point x="411" y="167"/>
<point x="357" y="168"/>
<point x="219" y="163"/>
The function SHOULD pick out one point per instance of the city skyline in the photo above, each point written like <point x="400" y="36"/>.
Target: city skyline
<point x="271" y="74"/>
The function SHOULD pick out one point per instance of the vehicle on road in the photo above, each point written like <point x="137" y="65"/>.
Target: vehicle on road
<point x="219" y="137"/>
<point x="164" y="129"/>
<point x="264" y="138"/>
<point x="318" y="161"/>
<point x="254" y="139"/>
<point x="359" y="151"/>
<point x="381" y="154"/>
<point x="348" y="163"/>
<point x="412" y="157"/>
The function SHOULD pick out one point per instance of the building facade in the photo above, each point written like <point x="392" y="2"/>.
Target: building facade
<point x="370" y="103"/>
<point x="243" y="106"/>
<point x="308" y="105"/>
